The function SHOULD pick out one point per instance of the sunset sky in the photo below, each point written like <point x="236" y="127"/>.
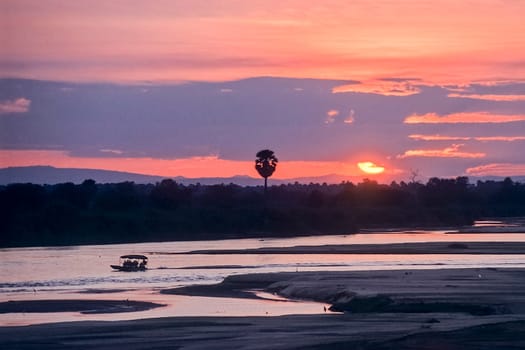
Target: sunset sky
<point x="375" y="89"/>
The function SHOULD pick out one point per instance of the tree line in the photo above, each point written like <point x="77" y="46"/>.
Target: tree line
<point x="94" y="213"/>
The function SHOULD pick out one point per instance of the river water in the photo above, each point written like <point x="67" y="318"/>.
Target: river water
<point x="83" y="272"/>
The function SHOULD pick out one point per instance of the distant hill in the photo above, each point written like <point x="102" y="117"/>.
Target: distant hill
<point x="51" y="175"/>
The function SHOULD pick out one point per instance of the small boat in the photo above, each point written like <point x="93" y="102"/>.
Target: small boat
<point x="131" y="263"/>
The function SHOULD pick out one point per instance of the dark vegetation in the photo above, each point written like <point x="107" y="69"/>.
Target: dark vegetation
<point x="66" y="214"/>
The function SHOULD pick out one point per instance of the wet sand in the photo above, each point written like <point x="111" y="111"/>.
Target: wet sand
<point x="82" y="306"/>
<point x="285" y="332"/>
<point x="406" y="309"/>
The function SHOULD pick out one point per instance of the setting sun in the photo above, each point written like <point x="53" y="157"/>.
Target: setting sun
<point x="370" y="168"/>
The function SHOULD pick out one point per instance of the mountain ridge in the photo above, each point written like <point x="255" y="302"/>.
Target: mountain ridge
<point x="45" y="174"/>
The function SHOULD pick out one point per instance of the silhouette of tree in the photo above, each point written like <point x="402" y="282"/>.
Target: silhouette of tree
<point x="166" y="194"/>
<point x="265" y="164"/>
<point x="414" y="175"/>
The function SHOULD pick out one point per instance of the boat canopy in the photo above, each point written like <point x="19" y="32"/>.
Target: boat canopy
<point x="133" y="256"/>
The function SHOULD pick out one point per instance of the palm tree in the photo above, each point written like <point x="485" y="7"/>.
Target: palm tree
<point x="265" y="164"/>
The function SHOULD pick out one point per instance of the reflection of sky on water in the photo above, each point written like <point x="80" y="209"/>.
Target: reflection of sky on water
<point x="176" y="305"/>
<point x="56" y="273"/>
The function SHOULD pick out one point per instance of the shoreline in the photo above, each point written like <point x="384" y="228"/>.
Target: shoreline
<point x="449" y="247"/>
<point x="508" y="225"/>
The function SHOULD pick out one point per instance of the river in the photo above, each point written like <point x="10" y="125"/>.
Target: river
<point x="83" y="272"/>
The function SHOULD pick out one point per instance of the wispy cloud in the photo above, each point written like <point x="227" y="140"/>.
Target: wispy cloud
<point x="463" y="118"/>
<point x="500" y="138"/>
<point x="489" y="97"/>
<point x="19" y="105"/>
<point x="112" y="151"/>
<point x="350" y="118"/>
<point x="330" y="116"/>
<point x="497" y="169"/>
<point x="449" y="152"/>
<point x="419" y="137"/>
<point x="385" y="87"/>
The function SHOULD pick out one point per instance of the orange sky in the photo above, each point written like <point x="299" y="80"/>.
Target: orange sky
<point x="438" y="41"/>
<point x="190" y="167"/>
<point x="393" y="48"/>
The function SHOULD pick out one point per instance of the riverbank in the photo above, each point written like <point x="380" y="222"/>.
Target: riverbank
<point x="403" y="309"/>
<point x="392" y="248"/>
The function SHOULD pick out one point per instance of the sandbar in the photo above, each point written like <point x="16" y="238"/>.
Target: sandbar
<point x="393" y="248"/>
<point x="81" y="305"/>
<point x="425" y="309"/>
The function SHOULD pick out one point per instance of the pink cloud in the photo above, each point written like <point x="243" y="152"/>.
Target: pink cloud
<point x="449" y="152"/>
<point x="380" y="87"/>
<point x="500" y="138"/>
<point x="497" y="169"/>
<point x="330" y="116"/>
<point x="420" y="137"/>
<point x="19" y="105"/>
<point x="350" y="118"/>
<point x="488" y="97"/>
<point x="466" y="117"/>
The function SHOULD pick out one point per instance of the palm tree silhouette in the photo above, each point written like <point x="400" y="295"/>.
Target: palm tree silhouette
<point x="265" y="164"/>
